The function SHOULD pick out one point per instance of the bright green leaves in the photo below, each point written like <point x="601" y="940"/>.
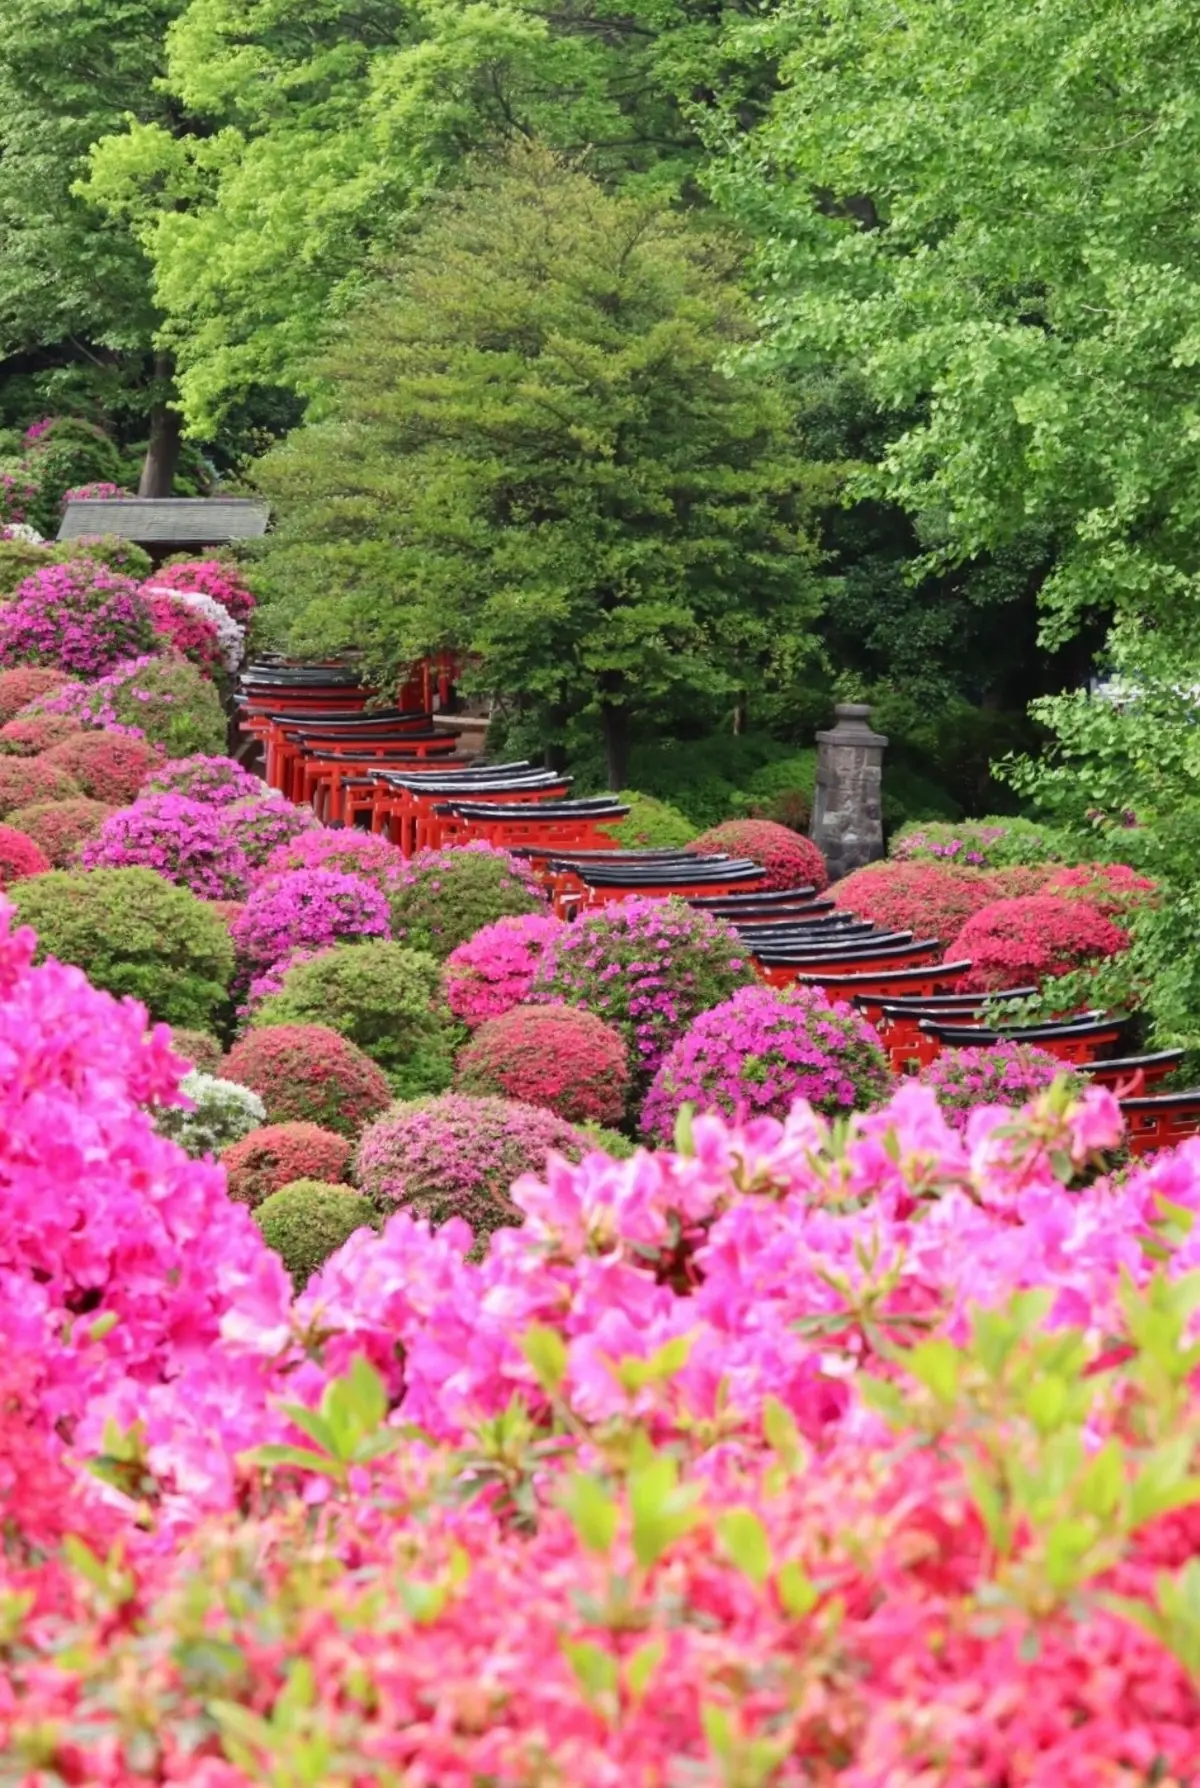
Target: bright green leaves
<point x="346" y="1430"/>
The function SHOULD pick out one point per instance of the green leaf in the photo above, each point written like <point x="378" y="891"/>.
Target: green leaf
<point x="546" y="1352"/>
<point x="593" y="1514"/>
<point x="745" y="1541"/>
<point x="797" y="1593"/>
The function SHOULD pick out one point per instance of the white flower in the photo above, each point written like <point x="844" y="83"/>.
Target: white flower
<point x="225" y="1112"/>
<point x="22" y="531"/>
<point x="230" y="634"/>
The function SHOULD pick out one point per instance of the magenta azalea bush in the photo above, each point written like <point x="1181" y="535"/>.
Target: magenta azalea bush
<point x="758" y="1052"/>
<point x="262" y="823"/>
<point x="79" y="617"/>
<point x="185" y="631"/>
<point x="209" y="577"/>
<point x="306" y="909"/>
<point x="494" y="970"/>
<point x="1008" y="1073"/>
<point x="161" y="698"/>
<point x="101" y="491"/>
<point x="184" y="841"/>
<point x="353" y="852"/>
<point x="218" y="781"/>
<point x="648" y="968"/>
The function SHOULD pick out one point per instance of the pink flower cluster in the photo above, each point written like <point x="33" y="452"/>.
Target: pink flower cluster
<point x="354" y="853"/>
<point x="100" y="492"/>
<point x="186" y="631"/>
<point x="265" y="823"/>
<point x="305" y="909"/>
<point x="184" y="841"/>
<point x="217" y="781"/>
<point x="788" y="859"/>
<point x="494" y="970"/>
<point x="79" y="617"/>
<point x="1002" y="1074"/>
<point x="757" y="1053"/>
<point x="16" y="494"/>
<point x="211" y="577"/>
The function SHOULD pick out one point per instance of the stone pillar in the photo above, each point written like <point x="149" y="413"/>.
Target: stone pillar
<point x="847" y="817"/>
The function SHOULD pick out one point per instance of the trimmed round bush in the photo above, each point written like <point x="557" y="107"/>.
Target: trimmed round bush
<point x="650" y="824"/>
<point x="385" y="998"/>
<point x="307" y="909"/>
<point x="107" y="766"/>
<point x="217" y="781"/>
<point x="1014" y="943"/>
<point x="308" y="1221"/>
<point x="493" y="971"/>
<point x="164" y="699"/>
<point x="561" y="1057"/>
<point x="258" y="826"/>
<point x="19" y="856"/>
<point x="131" y="932"/>
<point x="928" y="899"/>
<point x="441" y="898"/>
<point x="24" y="685"/>
<point x="1000" y="843"/>
<point x="458" y="1157"/>
<point x="217" y="578"/>
<point x="200" y="1048"/>
<point x="648" y="968"/>
<point x="307" y="1073"/>
<point x="277" y="1154"/>
<point x="185" y="841"/>
<point x="77" y="617"/>
<point x="223" y="1112"/>
<point x="59" y="827"/>
<point x="351" y="852"/>
<point x="182" y="629"/>
<point x="1002" y="1074"/>
<point x="25" y="781"/>
<point x="789" y="860"/>
<point x="754" y="1055"/>
<point x="40" y="732"/>
<point x="1114" y="889"/>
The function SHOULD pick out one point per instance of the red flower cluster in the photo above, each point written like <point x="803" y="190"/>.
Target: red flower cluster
<point x="789" y="860"/>
<point x="928" y="899"/>
<point x="24" y="684"/>
<point x="309" y="1074"/>
<point x="40" y="732"/>
<point x="60" y="827"/>
<point x="1016" y="942"/>
<point x="19" y="856"/>
<point x="277" y="1154"/>
<point x="107" y="766"/>
<point x="560" y="1057"/>
<point x="1114" y="889"/>
<point x="24" y="780"/>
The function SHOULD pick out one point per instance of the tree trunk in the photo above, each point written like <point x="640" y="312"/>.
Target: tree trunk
<point x="166" y="434"/>
<point x="616" y="745"/>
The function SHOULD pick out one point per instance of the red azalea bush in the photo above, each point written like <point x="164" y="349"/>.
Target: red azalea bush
<point x="560" y="1057"/>
<point x="1006" y="1073"/>
<point x="1114" y="889"/>
<point x="276" y="1154"/>
<point x="494" y="970"/>
<point x="789" y="860"/>
<point x="230" y="910"/>
<point x="107" y="766"/>
<point x="24" y="685"/>
<point x="26" y="780"/>
<point x="187" y="632"/>
<point x="1013" y="943"/>
<point x="19" y="856"/>
<point x="60" y="827"/>
<point x="928" y="899"/>
<point x="40" y="732"/>
<point x="212" y="577"/>
<point x="309" y="1074"/>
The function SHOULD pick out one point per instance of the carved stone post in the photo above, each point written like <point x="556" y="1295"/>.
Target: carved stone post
<point x="847" y="817"/>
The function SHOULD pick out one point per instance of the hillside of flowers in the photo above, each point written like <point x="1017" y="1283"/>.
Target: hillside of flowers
<point x="448" y="1345"/>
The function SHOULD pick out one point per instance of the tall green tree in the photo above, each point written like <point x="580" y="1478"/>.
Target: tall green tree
<point x="989" y="211"/>
<point x="75" y="284"/>
<point x="532" y="452"/>
<point x="319" y="125"/>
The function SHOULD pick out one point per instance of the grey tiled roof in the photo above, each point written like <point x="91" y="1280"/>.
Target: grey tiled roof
<point x="163" y="521"/>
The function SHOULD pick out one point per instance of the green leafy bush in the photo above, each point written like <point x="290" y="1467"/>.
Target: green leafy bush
<point x="308" y="1221"/>
<point x="18" y="559"/>
<point x="165" y="697"/>
<point x="133" y="933"/>
<point x="441" y="898"/>
<point x="650" y="824"/>
<point x="382" y="996"/>
<point x="200" y="1048"/>
<point x="998" y="842"/>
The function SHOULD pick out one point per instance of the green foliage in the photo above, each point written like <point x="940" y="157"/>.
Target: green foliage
<point x="308" y="1221"/>
<point x="131" y="932"/>
<point x="530" y="453"/>
<point x="708" y="780"/>
<point x="200" y="1048"/>
<point x="447" y="896"/>
<point x="120" y="555"/>
<point x="19" y="559"/>
<point x="70" y="452"/>
<point x="168" y="698"/>
<point x="987" y="210"/>
<point x="609" y="1142"/>
<point x="999" y="841"/>
<point x="651" y="824"/>
<point x="385" y="998"/>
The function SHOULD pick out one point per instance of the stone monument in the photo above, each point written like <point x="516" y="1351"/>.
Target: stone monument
<point x="847" y="816"/>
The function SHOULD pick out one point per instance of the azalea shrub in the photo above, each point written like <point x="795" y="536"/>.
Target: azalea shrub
<point x="788" y="860"/>
<point x="1114" y="889"/>
<point x="25" y="684"/>
<point x="981" y="844"/>
<point x="494" y="970"/>
<point x="78" y="617"/>
<point x="455" y="1157"/>
<point x="26" y="780"/>
<point x="276" y="1154"/>
<point x="759" y="1051"/>
<point x="385" y="998"/>
<point x="932" y="900"/>
<point x="59" y="827"/>
<point x="365" y="854"/>
<point x="218" y="781"/>
<point x="163" y="699"/>
<point x="306" y="909"/>
<point x="184" y="630"/>
<point x="107" y="767"/>
<point x="561" y="1057"/>
<point x="185" y="841"/>
<point x="217" y="578"/>
<point x="131" y="932"/>
<point x="308" y="1073"/>
<point x="1017" y="943"/>
<point x="200" y="1049"/>
<point x="218" y="1112"/>
<point x="262" y="823"/>
<point x="648" y="968"/>
<point x="1009" y="1073"/>
<point x="307" y="1221"/>
<point x="29" y="738"/>
<point x="19" y="856"/>
<point x="441" y="898"/>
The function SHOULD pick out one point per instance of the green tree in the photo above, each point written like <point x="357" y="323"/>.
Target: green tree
<point x="532" y="453"/>
<point x="989" y="211"/>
